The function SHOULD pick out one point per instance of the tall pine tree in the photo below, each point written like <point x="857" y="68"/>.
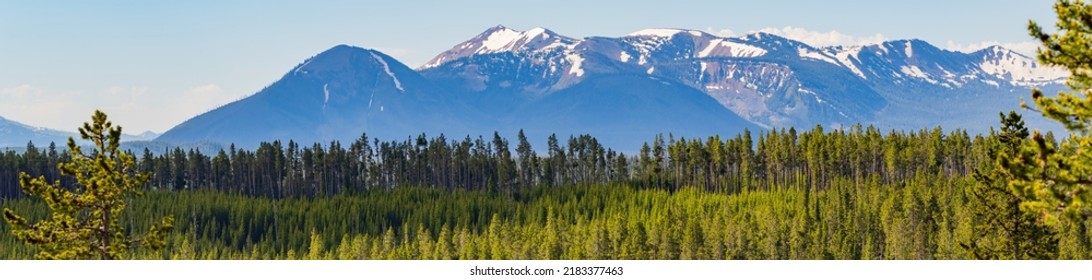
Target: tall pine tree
<point x="86" y="219"/>
<point x="1056" y="180"/>
<point x="1002" y="230"/>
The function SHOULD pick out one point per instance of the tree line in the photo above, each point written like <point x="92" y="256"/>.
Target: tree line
<point x="851" y="193"/>
<point x="774" y="159"/>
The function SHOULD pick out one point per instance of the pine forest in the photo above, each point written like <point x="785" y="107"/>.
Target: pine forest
<point x="857" y="193"/>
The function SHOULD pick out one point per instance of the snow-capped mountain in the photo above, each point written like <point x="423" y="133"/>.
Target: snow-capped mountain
<point x="502" y="60"/>
<point x="928" y="86"/>
<point x="625" y="90"/>
<point x="1016" y="68"/>
<point x="768" y="79"/>
<point x="346" y="91"/>
<point x="501" y="39"/>
<point x="534" y="79"/>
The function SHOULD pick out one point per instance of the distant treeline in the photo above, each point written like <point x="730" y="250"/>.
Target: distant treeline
<point x="772" y="160"/>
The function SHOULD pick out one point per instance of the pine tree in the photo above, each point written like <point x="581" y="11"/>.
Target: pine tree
<point x="445" y="250"/>
<point x="86" y="219"/>
<point x="1002" y="230"/>
<point x="1056" y="180"/>
<point x="526" y="160"/>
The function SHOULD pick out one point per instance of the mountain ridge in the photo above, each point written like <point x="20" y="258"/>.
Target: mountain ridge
<point x="776" y="81"/>
<point x="17" y="135"/>
<point x="504" y="80"/>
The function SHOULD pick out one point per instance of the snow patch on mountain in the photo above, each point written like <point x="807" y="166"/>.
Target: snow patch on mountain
<point x="535" y="39"/>
<point x="577" y="61"/>
<point x="883" y="48"/>
<point x="847" y="56"/>
<point x="914" y="71"/>
<point x="300" y="68"/>
<point x="721" y="47"/>
<point x="1020" y="70"/>
<point x="657" y="32"/>
<point x="499" y="40"/>
<point x="536" y="32"/>
<point x="808" y="53"/>
<point x="387" y="69"/>
<point x="326" y="95"/>
<point x="624" y="57"/>
<point x="435" y="62"/>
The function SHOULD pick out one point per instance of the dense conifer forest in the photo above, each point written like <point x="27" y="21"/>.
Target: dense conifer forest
<point x="853" y="193"/>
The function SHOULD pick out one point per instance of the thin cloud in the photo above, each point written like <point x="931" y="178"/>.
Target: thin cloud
<point x="20" y="91"/>
<point x="123" y="92"/>
<point x="136" y="108"/>
<point x="146" y="112"/>
<point x="1026" y="48"/>
<point x="209" y="90"/>
<point x="720" y="32"/>
<point x="824" y="39"/>
<point x="143" y="109"/>
<point x="41" y="107"/>
<point x="201" y="99"/>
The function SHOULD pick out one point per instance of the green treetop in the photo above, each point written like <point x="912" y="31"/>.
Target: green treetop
<point x="1002" y="230"/>
<point x="85" y="223"/>
<point x="1055" y="181"/>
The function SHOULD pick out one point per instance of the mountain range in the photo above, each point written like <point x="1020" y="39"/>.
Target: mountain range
<point x="627" y="89"/>
<point x="17" y="135"/>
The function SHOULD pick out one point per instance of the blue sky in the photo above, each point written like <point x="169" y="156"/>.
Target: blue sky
<point x="154" y="64"/>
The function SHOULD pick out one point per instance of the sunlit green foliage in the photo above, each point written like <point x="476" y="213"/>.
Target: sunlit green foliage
<point x="1055" y="179"/>
<point x="85" y="219"/>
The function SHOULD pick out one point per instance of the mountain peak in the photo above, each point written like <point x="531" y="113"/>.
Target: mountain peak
<point x="997" y="51"/>
<point x="497" y="27"/>
<point x="334" y="95"/>
<point x="1017" y="68"/>
<point x="500" y="39"/>
<point x="907" y="47"/>
<point x="337" y="57"/>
